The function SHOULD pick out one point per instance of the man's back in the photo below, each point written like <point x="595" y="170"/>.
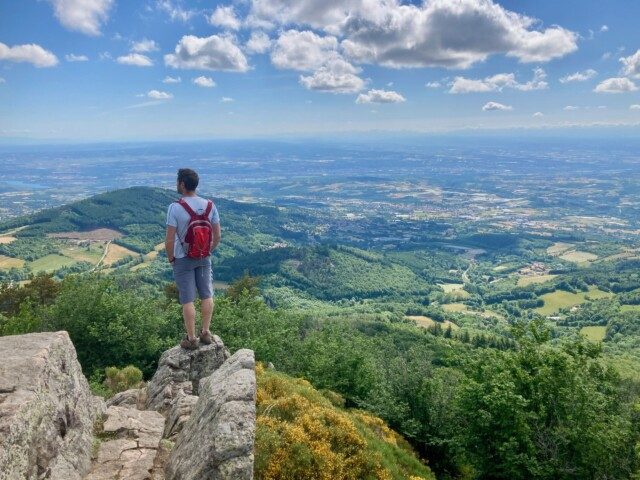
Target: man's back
<point x="178" y="217"/>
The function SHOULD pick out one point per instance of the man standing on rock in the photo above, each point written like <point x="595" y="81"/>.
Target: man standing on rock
<point x="193" y="232"/>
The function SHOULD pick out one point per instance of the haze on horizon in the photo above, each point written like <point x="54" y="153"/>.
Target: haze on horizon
<point x="95" y="70"/>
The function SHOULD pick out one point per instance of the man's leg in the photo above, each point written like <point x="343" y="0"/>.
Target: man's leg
<point x="189" y="316"/>
<point x="207" y="312"/>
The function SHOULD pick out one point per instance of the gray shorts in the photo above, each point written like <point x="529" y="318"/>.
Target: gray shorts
<point x="191" y="276"/>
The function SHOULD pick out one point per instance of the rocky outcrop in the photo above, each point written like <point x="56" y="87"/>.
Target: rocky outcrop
<point x="178" y="415"/>
<point x="179" y="372"/>
<point x="130" y="440"/>
<point x="217" y="440"/>
<point x="46" y="409"/>
<point x="51" y="427"/>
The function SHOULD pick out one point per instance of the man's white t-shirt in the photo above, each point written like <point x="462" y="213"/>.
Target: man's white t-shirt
<point x="178" y="217"/>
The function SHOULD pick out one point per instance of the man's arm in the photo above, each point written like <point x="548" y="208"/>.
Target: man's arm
<point x="215" y="238"/>
<point x="169" y="242"/>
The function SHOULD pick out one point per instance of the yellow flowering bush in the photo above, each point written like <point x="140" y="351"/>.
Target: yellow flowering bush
<point x="302" y="435"/>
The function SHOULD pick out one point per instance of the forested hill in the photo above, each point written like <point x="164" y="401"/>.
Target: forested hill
<point x="139" y="213"/>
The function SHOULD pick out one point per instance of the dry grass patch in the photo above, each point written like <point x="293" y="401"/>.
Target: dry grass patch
<point x="558" y="247"/>
<point x="428" y="322"/>
<point x="576" y="256"/>
<point x="6" y="239"/>
<point x="9" y="262"/>
<point x="524" y="281"/>
<point x="117" y="252"/>
<point x="98" y="234"/>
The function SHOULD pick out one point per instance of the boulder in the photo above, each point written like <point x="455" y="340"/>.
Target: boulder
<point x="130" y="444"/>
<point x="179" y="372"/>
<point x="134" y="397"/>
<point x="217" y="440"/>
<point x="47" y="411"/>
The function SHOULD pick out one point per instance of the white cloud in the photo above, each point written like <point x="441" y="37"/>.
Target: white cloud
<point x="499" y="82"/>
<point x="2" y="80"/>
<point x="579" y="76"/>
<point x="225" y="17"/>
<point x="335" y="76"/>
<point x="631" y="65"/>
<point x="205" y="82"/>
<point x="303" y="51"/>
<point x="217" y="52"/>
<point x="226" y="100"/>
<point x="380" y="96"/>
<point x="604" y="28"/>
<point x="259" y="42"/>
<point x="570" y="108"/>
<point x="496" y="106"/>
<point x="86" y="16"/>
<point x="158" y="95"/>
<point x="135" y="59"/>
<point x="616" y="85"/>
<point x="433" y="84"/>
<point x="538" y="114"/>
<point x="70" y="57"/>
<point x="29" y="53"/>
<point x="175" y="10"/>
<point x="634" y="107"/>
<point x="399" y="35"/>
<point x="144" y="46"/>
<point x="170" y="79"/>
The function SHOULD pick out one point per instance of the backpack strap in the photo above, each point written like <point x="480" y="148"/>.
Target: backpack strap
<point x="182" y="202"/>
<point x="207" y="212"/>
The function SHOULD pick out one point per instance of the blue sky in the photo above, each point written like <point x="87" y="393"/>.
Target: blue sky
<point x="87" y="70"/>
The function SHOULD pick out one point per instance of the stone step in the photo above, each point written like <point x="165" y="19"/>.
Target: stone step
<point x="131" y="443"/>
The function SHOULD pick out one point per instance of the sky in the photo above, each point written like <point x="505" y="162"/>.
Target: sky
<point x="102" y="70"/>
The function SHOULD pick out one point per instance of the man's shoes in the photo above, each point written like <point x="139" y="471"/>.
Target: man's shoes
<point x="189" y="344"/>
<point x="205" y="338"/>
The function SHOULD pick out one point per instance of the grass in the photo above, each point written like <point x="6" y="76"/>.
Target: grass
<point x="554" y="301"/>
<point x="594" y="333"/>
<point x="577" y="256"/>
<point x="5" y="239"/>
<point x="81" y="254"/>
<point x="530" y="280"/>
<point x="50" y="263"/>
<point x="630" y="308"/>
<point x="558" y="247"/>
<point x="455" y="307"/>
<point x="117" y="252"/>
<point x="451" y="287"/>
<point x="9" y="262"/>
<point x="427" y="322"/>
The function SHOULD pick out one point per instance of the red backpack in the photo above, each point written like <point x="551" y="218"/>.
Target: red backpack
<point x="199" y="231"/>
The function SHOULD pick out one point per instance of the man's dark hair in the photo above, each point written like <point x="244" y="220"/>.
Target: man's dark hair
<point x="189" y="177"/>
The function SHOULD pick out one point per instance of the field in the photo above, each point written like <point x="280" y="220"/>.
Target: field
<point x="559" y="247"/>
<point x="8" y="262"/>
<point x="455" y="307"/>
<point x="6" y="239"/>
<point x="96" y="235"/>
<point x="50" y="263"/>
<point x="577" y="256"/>
<point x="594" y="333"/>
<point x="554" y="301"/>
<point x="630" y="308"/>
<point x="427" y="322"/>
<point x="530" y="280"/>
<point x="117" y="252"/>
<point x="91" y="254"/>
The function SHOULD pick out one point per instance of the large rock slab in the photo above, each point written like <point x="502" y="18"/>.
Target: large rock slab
<point x="130" y="443"/>
<point x="178" y="415"/>
<point x="179" y="373"/>
<point x="46" y="409"/>
<point x="217" y="440"/>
